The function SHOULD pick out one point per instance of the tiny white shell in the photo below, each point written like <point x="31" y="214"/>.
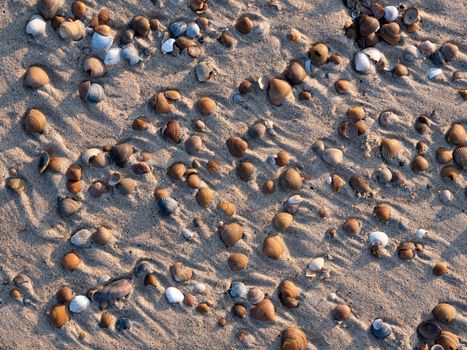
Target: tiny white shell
<point x="309" y="66"/>
<point x="263" y="82"/>
<point x="434" y="72"/>
<point x="174" y="295"/>
<point x="188" y="234"/>
<point x="36" y="26"/>
<point x="168" y="45"/>
<point x="362" y="62"/>
<point x="411" y="53"/>
<point x="295" y="199"/>
<point x="329" y="180"/>
<point x="378" y="238"/>
<point x="79" y="304"/>
<point x="373" y="53"/>
<point x="89" y="154"/>
<point x="113" y="56"/>
<point x="421" y="233"/>
<point x="445" y="196"/>
<point x="82" y="238"/>
<point x="316" y="264"/>
<point x="390" y="13"/>
<point x="199" y="288"/>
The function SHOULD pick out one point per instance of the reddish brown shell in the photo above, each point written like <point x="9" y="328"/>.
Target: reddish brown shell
<point x="59" y="315"/>
<point x="237" y="261"/>
<point x="231" y="234"/>
<point x="318" y="53"/>
<point x="264" y="311"/>
<point x="383" y="212"/>
<point x="245" y="170"/>
<point x="288" y="293"/>
<point x="237" y="147"/>
<point x="172" y="131"/>
<point x="206" y="105"/>
<point x="341" y="312"/>
<point x="244" y="25"/>
<point x="294" y="338"/>
<point x="352" y="226"/>
<point x="444" y="312"/>
<point x="273" y="247"/>
<point x="440" y="269"/>
<point x="278" y="91"/>
<point x="448" y="340"/>
<point x="361" y="185"/>
<point x="390" y="33"/>
<point x="35" y="121"/>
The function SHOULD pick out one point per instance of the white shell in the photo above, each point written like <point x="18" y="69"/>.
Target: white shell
<point x="90" y="153"/>
<point x="373" y="53"/>
<point x="434" y="72"/>
<point x="168" y="45"/>
<point x="421" y="233"/>
<point x="411" y="53"/>
<point x="188" y="234"/>
<point x="271" y="160"/>
<point x="82" y="238"/>
<point x="174" y="295"/>
<point x="113" y="56"/>
<point x="390" y="13"/>
<point x="309" y="66"/>
<point x="100" y="42"/>
<point x="295" y="199"/>
<point x="377" y="323"/>
<point x="199" y="288"/>
<point x="269" y="124"/>
<point x="263" y="82"/>
<point x="362" y="62"/>
<point x="36" y="26"/>
<point x="445" y="196"/>
<point x="79" y="304"/>
<point x="131" y="54"/>
<point x="329" y="180"/>
<point x="115" y="178"/>
<point x="378" y="238"/>
<point x="316" y="264"/>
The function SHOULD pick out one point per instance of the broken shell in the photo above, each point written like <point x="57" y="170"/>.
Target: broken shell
<point x="293" y="338"/>
<point x="35" y="77"/>
<point x="172" y="131"/>
<point x="87" y="156"/>
<point x="390" y="148"/>
<point x="245" y="170"/>
<point x="318" y="53"/>
<point x="71" y="261"/>
<point x="383" y="212"/>
<point x="59" y="315"/>
<point x="204" y="197"/>
<point x="92" y="92"/>
<point x="291" y="179"/>
<point x="341" y="312"/>
<point x="68" y="207"/>
<point x="193" y="144"/>
<point x="204" y="71"/>
<point x="316" y="264"/>
<point x="419" y="164"/>
<point x="81" y="238"/>
<point x="332" y="156"/>
<point x="444" y="312"/>
<point x="167" y="205"/>
<point x="36" y="26"/>
<point x="362" y="62"/>
<point x="231" y="234"/>
<point x="273" y="247"/>
<point x="263" y="311"/>
<point x="206" y="105"/>
<point x="255" y="295"/>
<point x="440" y="269"/>
<point x="434" y="72"/>
<point x="180" y="273"/>
<point x="168" y="45"/>
<point x="35" y="121"/>
<point x="288" y="293"/>
<point x="352" y="226"/>
<point x="456" y="135"/>
<point x="174" y="295"/>
<point x="378" y="238"/>
<point x="295" y="73"/>
<point x="278" y="91"/>
<point x="450" y="172"/>
<point x="380" y="329"/>
<point x="237" y="147"/>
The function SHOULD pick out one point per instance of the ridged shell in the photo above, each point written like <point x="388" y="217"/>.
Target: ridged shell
<point x="72" y="30"/>
<point x="180" y="273"/>
<point x="193" y="144"/>
<point x="245" y="170"/>
<point x="114" y="291"/>
<point x="332" y="156"/>
<point x="255" y="295"/>
<point x="444" y="312"/>
<point x="192" y="30"/>
<point x="355" y="113"/>
<point x="101" y="43"/>
<point x="59" y="315"/>
<point x="456" y="135"/>
<point x="71" y="261"/>
<point x="172" y="131"/>
<point x="390" y="33"/>
<point x="428" y="330"/>
<point x="383" y="212"/>
<point x="390" y="148"/>
<point x="444" y="155"/>
<point x="460" y="156"/>
<point x="448" y="340"/>
<point x="278" y="91"/>
<point x="204" y="197"/>
<point x="419" y="164"/>
<point x="35" y="121"/>
<point x="177" y="171"/>
<point x="318" y="53"/>
<point x="361" y="185"/>
<point x="264" y="311"/>
<point x="237" y="261"/>
<point x="282" y="158"/>
<point x="68" y="207"/>
<point x="102" y="235"/>
<point x="291" y="179"/>
<point x="450" y="172"/>
<point x="206" y="105"/>
<point x="295" y="73"/>
<point x="121" y="153"/>
<point x="440" y="269"/>
<point x="81" y="238"/>
<point x="390" y="13"/>
<point x="341" y="312"/>
<point x="92" y="92"/>
<point x="273" y="247"/>
<point x="237" y="147"/>
<point x="227" y="207"/>
<point x="35" y="77"/>
<point x="282" y="221"/>
<point x="368" y="25"/>
<point x="293" y="338"/>
<point x="48" y="8"/>
<point x="231" y="234"/>
<point x="352" y="226"/>
<point x="93" y="67"/>
<point x="78" y="8"/>
<point x="288" y="293"/>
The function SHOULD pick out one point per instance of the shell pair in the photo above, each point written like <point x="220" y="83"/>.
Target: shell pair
<point x="91" y="92"/>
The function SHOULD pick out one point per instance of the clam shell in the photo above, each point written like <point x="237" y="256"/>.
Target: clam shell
<point x="231" y="234"/>
<point x="72" y="30"/>
<point x="174" y="295"/>
<point x="228" y="40"/>
<point x="341" y="312"/>
<point x="332" y="156"/>
<point x="237" y="147"/>
<point x="383" y="212"/>
<point x="390" y="13"/>
<point x="91" y="91"/>
<point x="450" y="172"/>
<point x="449" y="51"/>
<point x="291" y="205"/>
<point x="102" y="235"/>
<point x="168" y="45"/>
<point x="106" y="320"/>
<point x="177" y="29"/>
<point x="74" y="172"/>
<point x="268" y="187"/>
<point x="180" y="273"/>
<point x="362" y="62"/>
<point x="204" y="71"/>
<point x="78" y="8"/>
<point x="440" y="269"/>
<point x="264" y="311"/>
<point x="390" y="33"/>
<point x="406" y="250"/>
<point x="184" y="43"/>
<point x="64" y="295"/>
<point x="239" y="310"/>
<point x="121" y="153"/>
<point x="367" y="25"/>
<point x="456" y="135"/>
<point x="237" y="261"/>
<point x="378" y="238"/>
<point x="295" y="73"/>
<point x="113" y="291"/>
<point x="192" y="30"/>
<point x="257" y="130"/>
<point x="318" y="53"/>
<point x="140" y="25"/>
<point x="428" y="330"/>
<point x="36" y="26"/>
<point x="361" y="185"/>
<point x="48" y="8"/>
<point x="410" y="16"/>
<point x="291" y="179"/>
<point x="16" y="184"/>
<point x="460" y="156"/>
<point x="87" y="156"/>
<point x="172" y="131"/>
<point x="244" y="25"/>
<point x="427" y="47"/>
<point x="411" y="53"/>
<point x="167" y="206"/>
<point x="238" y="290"/>
<point x="288" y="293"/>
<point x="81" y="238"/>
<point x="68" y="207"/>
<point x="282" y="158"/>
<point x="113" y="56"/>
<point x="93" y="67"/>
<point x="194" y="181"/>
<point x="227" y="207"/>
<point x="273" y="247"/>
<point x="448" y="340"/>
<point x="114" y="178"/>
<point x="204" y="197"/>
<point x="59" y="315"/>
<point x="400" y="71"/>
<point x="444" y="312"/>
<point x="316" y="264"/>
<point x="206" y="105"/>
<point x="177" y="171"/>
<point x="293" y="338"/>
<point x="245" y="170"/>
<point x="342" y="86"/>
<point x="380" y="329"/>
<point x="35" y="77"/>
<point x="35" y="121"/>
<point x="390" y="148"/>
<point x="352" y="226"/>
<point x="282" y="221"/>
<point x="255" y="295"/>
<point x="71" y="261"/>
<point x="278" y="91"/>
<point x="419" y="164"/>
<point x="126" y="186"/>
<point x="101" y="43"/>
<point x="193" y="144"/>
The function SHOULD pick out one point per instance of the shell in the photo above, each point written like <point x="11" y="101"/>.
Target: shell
<point x="448" y="340"/>
<point x="380" y="329"/>
<point x="228" y="40"/>
<point x="71" y="261"/>
<point x="444" y="155"/>
<point x="332" y="156"/>
<point x="288" y="293"/>
<point x="362" y="62"/>
<point x="91" y="91"/>
<point x="361" y="185"/>
<point x="400" y="71"/>
<point x="427" y="47"/>
<point x="434" y="72"/>
<point x="318" y="53"/>
<point x="245" y="170"/>
<point x="293" y="338"/>
<point x="35" y="121"/>
<point x="48" y="8"/>
<point x="237" y="261"/>
<point x="35" y="77"/>
<point x="341" y="312"/>
<point x="390" y="148"/>
<point x="244" y="25"/>
<point x="449" y="51"/>
<point x="72" y="30"/>
<point x="206" y="105"/>
<point x="168" y="45"/>
<point x="444" y="312"/>
<point x="282" y="221"/>
<point x="16" y="184"/>
<point x="278" y="91"/>
<point x="140" y="25"/>
<point x="282" y="158"/>
<point x="239" y="310"/>
<point x="177" y="171"/>
<point x="368" y="25"/>
<point x="102" y="235"/>
<point x="378" y="238"/>
<point x="113" y="291"/>
<point x="411" y="53"/>
<point x="245" y="87"/>
<point x="81" y="238"/>
<point x="238" y="290"/>
<point x="131" y="54"/>
<point x="294" y="35"/>
<point x="59" y="315"/>
<point x="68" y="207"/>
<point x="113" y="56"/>
<point x="440" y="269"/>
<point x="383" y="212"/>
<point x="295" y="73"/>
<point x="192" y="30"/>
<point x="410" y="16"/>
<point x="268" y="187"/>
<point x="316" y="264"/>
<point x="406" y="250"/>
<point x="180" y="273"/>
<point x="64" y="295"/>
<point x="237" y="147"/>
<point x="291" y="179"/>
<point x="177" y="29"/>
<point x="428" y="330"/>
<point x="184" y="43"/>
<point x="342" y="86"/>
<point x="255" y="295"/>
<point x="204" y="197"/>
<point x="36" y="26"/>
<point x="194" y="181"/>
<point x="172" y="131"/>
<point x="445" y="196"/>
<point x="390" y="33"/>
<point x="126" y="186"/>
<point x="291" y="205"/>
<point x="257" y="130"/>
<point x="390" y="13"/>
<point x="74" y="172"/>
<point x="193" y="144"/>
<point x="460" y="156"/>
<point x="87" y="156"/>
<point x="101" y="43"/>
<point x="174" y="295"/>
<point x="227" y="207"/>
<point x="106" y="321"/>
<point x="121" y="153"/>
<point x="419" y="164"/>
<point x="456" y="135"/>
<point x="273" y="247"/>
<point x="336" y="182"/>
<point x="93" y="67"/>
<point x="231" y="234"/>
<point x="352" y="226"/>
<point x="264" y="311"/>
<point x="167" y="206"/>
<point x="450" y="172"/>
<point x="204" y="71"/>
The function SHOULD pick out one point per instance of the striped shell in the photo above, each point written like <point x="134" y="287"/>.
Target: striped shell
<point x="113" y="291"/>
<point x="237" y="147"/>
<point x="282" y="221"/>
<point x="295" y="73"/>
<point x="288" y="293"/>
<point x="204" y="197"/>
<point x="172" y="131"/>
<point x="444" y="312"/>
<point x="460" y="156"/>
<point x="361" y="185"/>
<point x="48" y="8"/>
<point x="368" y="25"/>
<point x="444" y="155"/>
<point x="35" y="77"/>
<point x="237" y="261"/>
<point x="100" y="42"/>
<point x="337" y="183"/>
<point x="231" y="234"/>
<point x="35" y="121"/>
<point x="273" y="247"/>
<point x="121" y="153"/>
<point x="278" y="91"/>
<point x="264" y="311"/>
<point x="68" y="207"/>
<point x="291" y="179"/>
<point x="72" y="30"/>
<point x="293" y="338"/>
<point x="448" y="340"/>
<point x="227" y="207"/>
<point x="390" y="33"/>
<point x="245" y="170"/>
<point x="92" y="92"/>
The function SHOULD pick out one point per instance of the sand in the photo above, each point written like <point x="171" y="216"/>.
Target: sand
<point x="34" y="236"/>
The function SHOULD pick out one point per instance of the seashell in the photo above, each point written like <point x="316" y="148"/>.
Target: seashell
<point x="445" y="196"/>
<point x="444" y="312"/>
<point x="318" y="53"/>
<point x="35" y="77"/>
<point x="390" y="33"/>
<point x="268" y="187"/>
<point x="410" y="16"/>
<point x="177" y="171"/>
<point x="36" y="26"/>
<point x="448" y="340"/>
<point x="384" y="175"/>
<point x="100" y="42"/>
<point x="92" y="92"/>
<point x="378" y="238"/>
<point x="434" y="72"/>
<point x="81" y="238"/>
<point x="362" y="62"/>
<point x="177" y="29"/>
<point x="295" y="73"/>
<point x="180" y="273"/>
<point x="130" y="53"/>
<point x="71" y="261"/>
<point x="140" y="25"/>
<point x="113" y="56"/>
<point x="16" y="184"/>
<point x="126" y="186"/>
<point x="390" y="148"/>
<point x="460" y="156"/>
<point x="184" y="43"/>
<point x="206" y="105"/>
<point x="419" y="164"/>
<point x="305" y="95"/>
<point x="428" y="330"/>
<point x="203" y="307"/>
<point x="237" y="261"/>
<point x="293" y="338"/>
<point x="106" y="320"/>
<point x="239" y="310"/>
<point x="237" y="147"/>
<point x="140" y="124"/>
<point x="390" y="13"/>
<point x="380" y="329"/>
<point x="411" y="53"/>
<point x="440" y="269"/>
<point x="114" y="291"/>
<point x="204" y="197"/>
<point x="172" y="131"/>
<point x="114" y="178"/>
<point x="264" y="311"/>
<point x="273" y="247"/>
<point x="360" y="185"/>
<point x="192" y="30"/>
<point x="288" y="293"/>
<point x="48" y="8"/>
<point x="121" y="153"/>
<point x="79" y="9"/>
<point x="316" y="264"/>
<point x="72" y="30"/>
<point x="93" y="67"/>
<point x="127" y="36"/>
<point x="123" y="324"/>
<point x="400" y="71"/>
<point x="35" y="121"/>
<point x="59" y="315"/>
<point x="150" y="280"/>
<point x="352" y="226"/>
<point x="456" y="135"/>
<point x="278" y="91"/>
<point x="282" y="158"/>
<point x="174" y="295"/>
<point x="73" y="186"/>
<point x="449" y="51"/>
<point x="68" y="207"/>
<point x="342" y="86"/>
<point x="450" y="172"/>
<point x="245" y="87"/>
<point x="291" y="205"/>
<point x="167" y="206"/>
<point x="193" y="144"/>
<point x="245" y="170"/>
<point x="64" y="295"/>
<point x="231" y="234"/>
<point x="228" y="40"/>
<point x="337" y="183"/>
<point x="238" y="290"/>
<point x="257" y="130"/>
<point x="368" y="25"/>
<point x="74" y="172"/>
<point x="427" y="47"/>
<point x="332" y="156"/>
<point x="282" y="221"/>
<point x="406" y="250"/>
<point x="102" y="235"/>
<point x="255" y="295"/>
<point x="383" y="212"/>
<point x="290" y="179"/>
<point x="168" y="45"/>
<point x="244" y="25"/>
<point x="341" y="312"/>
<point x="87" y="156"/>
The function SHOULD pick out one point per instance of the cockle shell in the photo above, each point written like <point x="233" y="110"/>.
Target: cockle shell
<point x="231" y="234"/>
<point x="107" y="319"/>
<point x="273" y="247"/>
<point x="79" y="304"/>
<point x="295" y="73"/>
<point x="239" y="310"/>
<point x="380" y="329"/>
<point x="172" y="131"/>
<point x="332" y="156"/>
<point x="316" y="264"/>
<point x="400" y="71"/>
<point x="180" y="273"/>
<point x="48" y="8"/>
<point x="341" y="312"/>
<point x="278" y="91"/>
<point x="174" y="295"/>
<point x="59" y="315"/>
<point x="292" y="204"/>
<point x="390" y="13"/>
<point x="64" y="295"/>
<point x="206" y="105"/>
<point x="74" y="172"/>
<point x="282" y="221"/>
<point x="72" y="30"/>
<point x="237" y="261"/>
<point x="390" y="148"/>
<point x="449" y="51"/>
<point x="237" y="147"/>
<point x="360" y="185"/>
<point x="362" y="62"/>
<point x="176" y="171"/>
<point x="227" y="207"/>
<point x="81" y="238"/>
<point x="264" y="311"/>
<point x="35" y="121"/>
<point x="440" y="269"/>
<point x="238" y="290"/>
<point x="448" y="340"/>
<point x="92" y="92"/>
<point x="193" y="144"/>
<point x="68" y="207"/>
<point x="35" y="77"/>
<point x="288" y="293"/>
<point x="113" y="56"/>
<point x="100" y="42"/>
<point x="140" y="25"/>
<point x="419" y="164"/>
<point x="193" y="180"/>
<point x="93" y="67"/>
<point x="460" y="156"/>
<point x="255" y="295"/>
<point x="102" y="235"/>
<point x="352" y="226"/>
<point x="293" y="338"/>
<point x="228" y="40"/>
<point x="291" y="179"/>
<point x="204" y="197"/>
<point x="428" y="330"/>
<point x="444" y="312"/>
<point x="121" y="153"/>
<point x="378" y="238"/>
<point x="245" y="170"/>
<point x="383" y="212"/>
<point x="367" y="25"/>
<point x="318" y="53"/>
<point x="456" y="135"/>
<point x="113" y="291"/>
<point x="36" y="26"/>
<point x="390" y="33"/>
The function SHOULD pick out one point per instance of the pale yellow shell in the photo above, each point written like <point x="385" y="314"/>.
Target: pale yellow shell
<point x="176" y="171"/>
<point x="35" y="77"/>
<point x="282" y="221"/>
<point x="72" y="30"/>
<point x="291" y="179"/>
<point x="390" y="148"/>
<point x="444" y="312"/>
<point x="352" y="226"/>
<point x="448" y="340"/>
<point x="288" y="293"/>
<point x="383" y="212"/>
<point x="194" y="181"/>
<point x="35" y="121"/>
<point x="206" y="105"/>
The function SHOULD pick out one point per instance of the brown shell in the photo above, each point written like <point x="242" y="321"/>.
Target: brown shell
<point x="440" y="269"/>
<point x="172" y="131"/>
<point x="140" y="25"/>
<point x="355" y="113"/>
<point x="352" y="226"/>
<point x="103" y="16"/>
<point x="74" y="172"/>
<point x="450" y="172"/>
<point x="362" y="128"/>
<point x="237" y="261"/>
<point x="193" y="144"/>
<point x="213" y="166"/>
<point x="161" y="104"/>
<point x="189" y="300"/>
<point x="239" y="310"/>
<point x="368" y="25"/>
<point x="228" y="40"/>
<point x="295" y="73"/>
<point x="361" y="185"/>
<point x="184" y="42"/>
<point x="35" y="77"/>
<point x="194" y="181"/>
<point x="444" y="312"/>
<point x="121" y="153"/>
<point x="64" y="295"/>
<point x="245" y="87"/>
<point x="282" y="221"/>
<point x="244" y="25"/>
<point x="79" y="9"/>
<point x="35" y="121"/>
<point x="59" y="315"/>
<point x="102" y="235"/>
<point x="140" y="124"/>
<point x="55" y="165"/>
<point x="294" y="35"/>
<point x="419" y="164"/>
<point x="180" y="273"/>
<point x="456" y="135"/>
<point x="237" y="147"/>
<point x="318" y="53"/>
<point x="268" y="187"/>
<point x="71" y="261"/>
<point x="245" y="170"/>
<point x="291" y="179"/>
<point x="278" y="91"/>
<point x="177" y="171"/>
<point x="273" y="247"/>
<point x="73" y="186"/>
<point x="443" y="155"/>
<point x="460" y="157"/>
<point x="390" y="148"/>
<point x="449" y="51"/>
<point x="206" y="105"/>
<point x="106" y="320"/>
<point x="337" y="183"/>
<point x="406" y="250"/>
<point x="151" y="280"/>
<point x="227" y="207"/>
<point x="341" y="312"/>
<point x="127" y="186"/>
<point x="293" y="338"/>
<point x="104" y="30"/>
<point x="264" y="311"/>
<point x="400" y="71"/>
<point x="204" y="197"/>
<point x="48" y="8"/>
<point x="93" y="67"/>
<point x="383" y="212"/>
<point x="342" y="86"/>
<point x="390" y="33"/>
<point x="282" y="158"/>
<point x="305" y="95"/>
<point x="448" y="340"/>
<point x="231" y="234"/>
<point x="288" y="293"/>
